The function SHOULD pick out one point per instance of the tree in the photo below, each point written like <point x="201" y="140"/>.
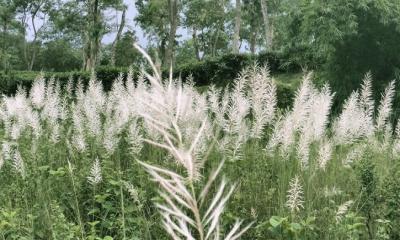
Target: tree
<point x="118" y="36"/>
<point x="10" y="30"/>
<point x="347" y="37"/>
<point x="58" y="55"/>
<point x="173" y="26"/>
<point x="207" y="20"/>
<point x="30" y="11"/>
<point x="252" y="23"/>
<point x="160" y="21"/>
<point x="236" y="35"/>
<point x="86" y="19"/>
<point x="125" y="53"/>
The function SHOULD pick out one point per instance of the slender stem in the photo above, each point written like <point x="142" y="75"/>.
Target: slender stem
<point x="196" y="212"/>
<point x="77" y="206"/>
<point x="121" y="197"/>
<point x="122" y="208"/>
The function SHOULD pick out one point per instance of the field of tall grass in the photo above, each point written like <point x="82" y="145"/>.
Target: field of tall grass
<point x="157" y="159"/>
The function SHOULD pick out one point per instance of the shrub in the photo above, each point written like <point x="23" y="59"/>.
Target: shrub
<point x="219" y="71"/>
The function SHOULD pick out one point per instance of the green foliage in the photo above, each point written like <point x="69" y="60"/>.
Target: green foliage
<point x="283" y="228"/>
<point x="64" y="57"/>
<point x="368" y="184"/>
<point x="389" y="197"/>
<point x="345" y="38"/>
<point x="374" y="48"/>
<point x="126" y="54"/>
<point x="352" y="227"/>
<point x="218" y="71"/>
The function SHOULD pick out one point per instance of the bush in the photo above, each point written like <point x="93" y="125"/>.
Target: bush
<point x="390" y="191"/>
<point x="9" y="83"/>
<point x="222" y="70"/>
<point x="218" y="71"/>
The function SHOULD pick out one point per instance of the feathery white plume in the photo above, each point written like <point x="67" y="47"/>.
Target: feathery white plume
<point x="18" y="163"/>
<point x="95" y="176"/>
<point x="332" y="192"/>
<point x="169" y="113"/>
<point x="385" y="107"/>
<point x="295" y="195"/>
<point x="133" y="192"/>
<point x="324" y="154"/>
<point x="38" y="90"/>
<point x="366" y="99"/>
<point x="262" y="93"/>
<point x="354" y="122"/>
<point x="342" y="210"/>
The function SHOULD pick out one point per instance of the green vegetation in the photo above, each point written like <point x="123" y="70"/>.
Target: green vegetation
<point x="269" y="126"/>
<point x="74" y="162"/>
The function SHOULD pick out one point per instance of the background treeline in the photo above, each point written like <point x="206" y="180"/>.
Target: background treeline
<point x="342" y="39"/>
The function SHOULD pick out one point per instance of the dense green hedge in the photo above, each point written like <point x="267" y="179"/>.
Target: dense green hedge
<point x="219" y="71"/>
<point x="10" y="83"/>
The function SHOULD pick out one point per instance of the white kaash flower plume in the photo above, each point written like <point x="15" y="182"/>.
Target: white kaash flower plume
<point x="6" y="150"/>
<point x="332" y="192"/>
<point x="79" y="141"/>
<point x="306" y="122"/>
<point x="185" y="213"/>
<point x="342" y="210"/>
<point x="385" y="107"/>
<point x="218" y="102"/>
<point x="354" y="155"/>
<point x="18" y="163"/>
<point x="366" y="99"/>
<point x="324" y="154"/>
<point x="263" y="98"/>
<point x="353" y="123"/>
<point x="95" y="176"/>
<point x="292" y="120"/>
<point x="133" y="192"/>
<point x="135" y="138"/>
<point x="295" y="195"/>
<point x="238" y="108"/>
<point x="303" y="150"/>
<point x="302" y="102"/>
<point x="319" y="108"/>
<point x="38" y="90"/>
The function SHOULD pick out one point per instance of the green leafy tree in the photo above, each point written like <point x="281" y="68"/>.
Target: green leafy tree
<point x="160" y="21"/>
<point x="86" y="20"/>
<point x="10" y="32"/>
<point x="347" y="37"/>
<point x="58" y="55"/>
<point x="29" y="13"/>
<point x="252" y="24"/>
<point x="125" y="53"/>
<point x="207" y="20"/>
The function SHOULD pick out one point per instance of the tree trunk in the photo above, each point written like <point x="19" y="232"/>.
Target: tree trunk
<point x="173" y="18"/>
<point x="236" y="35"/>
<point x="253" y="42"/>
<point x="118" y="37"/>
<point x="93" y="36"/>
<point x="25" y="47"/>
<point x="4" y="48"/>
<point x="34" y="42"/>
<point x="267" y="24"/>
<point x="214" y="45"/>
<point x="196" y="44"/>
